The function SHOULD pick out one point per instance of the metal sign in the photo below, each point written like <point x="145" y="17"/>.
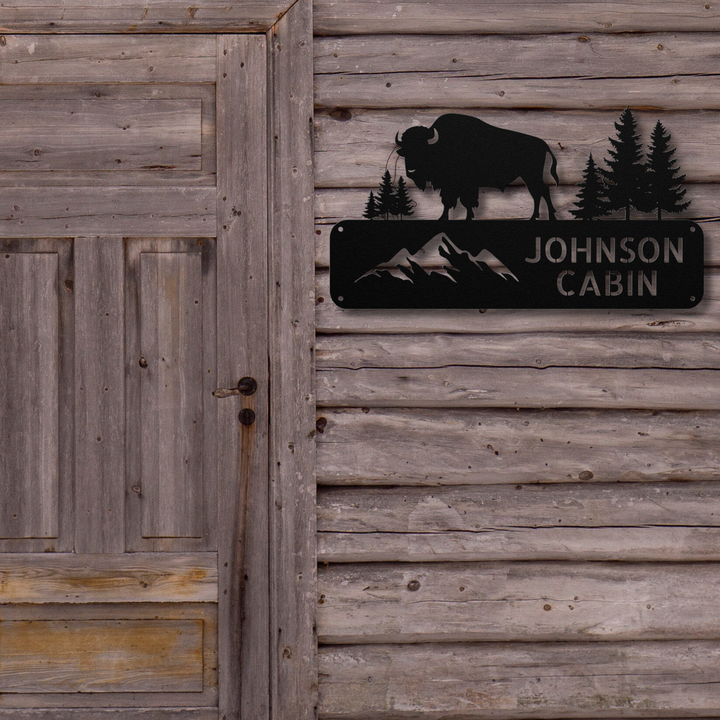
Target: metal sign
<point x="589" y="262"/>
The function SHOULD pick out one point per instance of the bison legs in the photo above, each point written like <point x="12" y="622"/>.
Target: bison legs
<point x="540" y="190"/>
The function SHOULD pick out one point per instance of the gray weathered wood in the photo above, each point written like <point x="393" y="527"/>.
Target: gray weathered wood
<point x="99" y="395"/>
<point x="291" y="332"/>
<point x="564" y="387"/>
<point x="521" y="56"/>
<point x="541" y="350"/>
<point x="73" y="211"/>
<point x="536" y="601"/>
<point x="171" y="322"/>
<point x="352" y="148"/>
<point x="627" y="544"/>
<point x="108" y="58"/>
<point x="208" y="713"/>
<point x="132" y="577"/>
<point x="242" y="351"/>
<point x="30" y="390"/>
<point x="47" y="135"/>
<point x="679" y="92"/>
<point x="171" y="505"/>
<point x="423" y="16"/>
<point x="702" y="318"/>
<point x="130" y="16"/>
<point x="101" y="656"/>
<point x="520" y="680"/>
<point x="453" y="447"/>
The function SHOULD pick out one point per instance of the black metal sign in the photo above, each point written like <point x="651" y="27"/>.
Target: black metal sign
<point x="588" y="262"/>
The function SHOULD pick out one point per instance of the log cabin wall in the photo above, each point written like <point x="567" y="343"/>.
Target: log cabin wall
<point x="518" y="511"/>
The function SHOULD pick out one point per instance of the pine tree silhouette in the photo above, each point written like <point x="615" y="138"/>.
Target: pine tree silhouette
<point x="625" y="178"/>
<point x="386" y="200"/>
<point x="591" y="198"/>
<point x="403" y="204"/>
<point x="663" y="181"/>
<point x="371" y="208"/>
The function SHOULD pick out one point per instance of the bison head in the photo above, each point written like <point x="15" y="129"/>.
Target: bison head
<point x="414" y="147"/>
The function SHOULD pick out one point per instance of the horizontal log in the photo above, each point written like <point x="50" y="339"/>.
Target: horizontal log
<point x="87" y="135"/>
<point x="421" y="16"/>
<point x="479" y="447"/>
<point x="206" y="713"/>
<point x="508" y="602"/>
<point x="422" y="90"/>
<point x="130" y="16"/>
<point x="352" y="147"/>
<point x="705" y="317"/>
<point x="565" y="387"/>
<point x="108" y="58"/>
<point x="521" y="56"/>
<point x="541" y="350"/>
<point x="72" y="211"/>
<point x="101" y="656"/>
<point x="634" y="544"/>
<point x="133" y="577"/>
<point x="499" y="681"/>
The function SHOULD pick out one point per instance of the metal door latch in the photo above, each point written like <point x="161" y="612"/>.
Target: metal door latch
<point x="246" y="386"/>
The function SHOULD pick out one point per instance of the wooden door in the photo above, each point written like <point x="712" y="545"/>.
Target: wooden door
<point x="133" y="266"/>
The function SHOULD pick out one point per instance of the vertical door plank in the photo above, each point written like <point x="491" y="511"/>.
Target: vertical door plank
<point x="100" y="395"/>
<point x="242" y="351"/>
<point x="292" y="335"/>
<point x="171" y="319"/>
<point x="29" y="393"/>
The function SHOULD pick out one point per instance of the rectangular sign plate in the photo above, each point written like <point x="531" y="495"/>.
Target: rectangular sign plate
<point x="516" y="264"/>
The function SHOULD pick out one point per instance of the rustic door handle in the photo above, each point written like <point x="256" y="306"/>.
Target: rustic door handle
<point x="246" y="386"/>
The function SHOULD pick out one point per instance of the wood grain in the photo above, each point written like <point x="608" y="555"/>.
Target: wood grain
<point x="565" y="54"/>
<point x="242" y="321"/>
<point x="292" y="402"/>
<point x="101" y="655"/>
<point x="536" y="350"/>
<point x="520" y="680"/>
<point x="29" y="385"/>
<point x="207" y="713"/>
<point x="478" y="447"/>
<point x="532" y="17"/>
<point x="130" y="16"/>
<point x="75" y="211"/>
<point x="99" y="395"/>
<point x="108" y="58"/>
<point x="171" y="321"/>
<point x="352" y="147"/>
<point x="46" y="135"/>
<point x="703" y="318"/>
<point x="509" y="602"/>
<point x="92" y="578"/>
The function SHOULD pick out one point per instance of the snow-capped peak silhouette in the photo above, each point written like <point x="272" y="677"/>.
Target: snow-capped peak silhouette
<point x="436" y="256"/>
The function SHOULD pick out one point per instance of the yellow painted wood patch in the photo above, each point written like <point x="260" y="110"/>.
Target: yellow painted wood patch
<point x="101" y="656"/>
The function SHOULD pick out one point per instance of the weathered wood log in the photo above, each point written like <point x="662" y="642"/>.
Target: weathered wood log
<point x="702" y="318"/>
<point x="536" y="601"/>
<point x="452" y="447"/>
<point x="474" y="681"/>
<point x="352" y="146"/>
<point x="421" y="16"/>
<point x="541" y="350"/>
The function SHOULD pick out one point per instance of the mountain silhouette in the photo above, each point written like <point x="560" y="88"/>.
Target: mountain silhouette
<point x="436" y="256"/>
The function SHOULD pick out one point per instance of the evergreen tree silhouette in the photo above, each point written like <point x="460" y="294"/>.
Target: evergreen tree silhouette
<point x="591" y="198"/>
<point x="663" y="181"/>
<point x="625" y="178"/>
<point x="371" y="208"/>
<point x="403" y="204"/>
<point x="386" y="200"/>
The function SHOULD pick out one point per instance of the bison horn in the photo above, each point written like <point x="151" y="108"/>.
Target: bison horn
<point x="397" y="139"/>
<point x="434" y="138"/>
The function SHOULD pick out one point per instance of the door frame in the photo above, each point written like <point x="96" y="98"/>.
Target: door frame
<point x="275" y="624"/>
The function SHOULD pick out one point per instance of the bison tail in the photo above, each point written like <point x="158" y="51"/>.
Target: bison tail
<point x="553" y="168"/>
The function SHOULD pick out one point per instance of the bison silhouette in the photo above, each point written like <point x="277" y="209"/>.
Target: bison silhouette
<point x="459" y="154"/>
